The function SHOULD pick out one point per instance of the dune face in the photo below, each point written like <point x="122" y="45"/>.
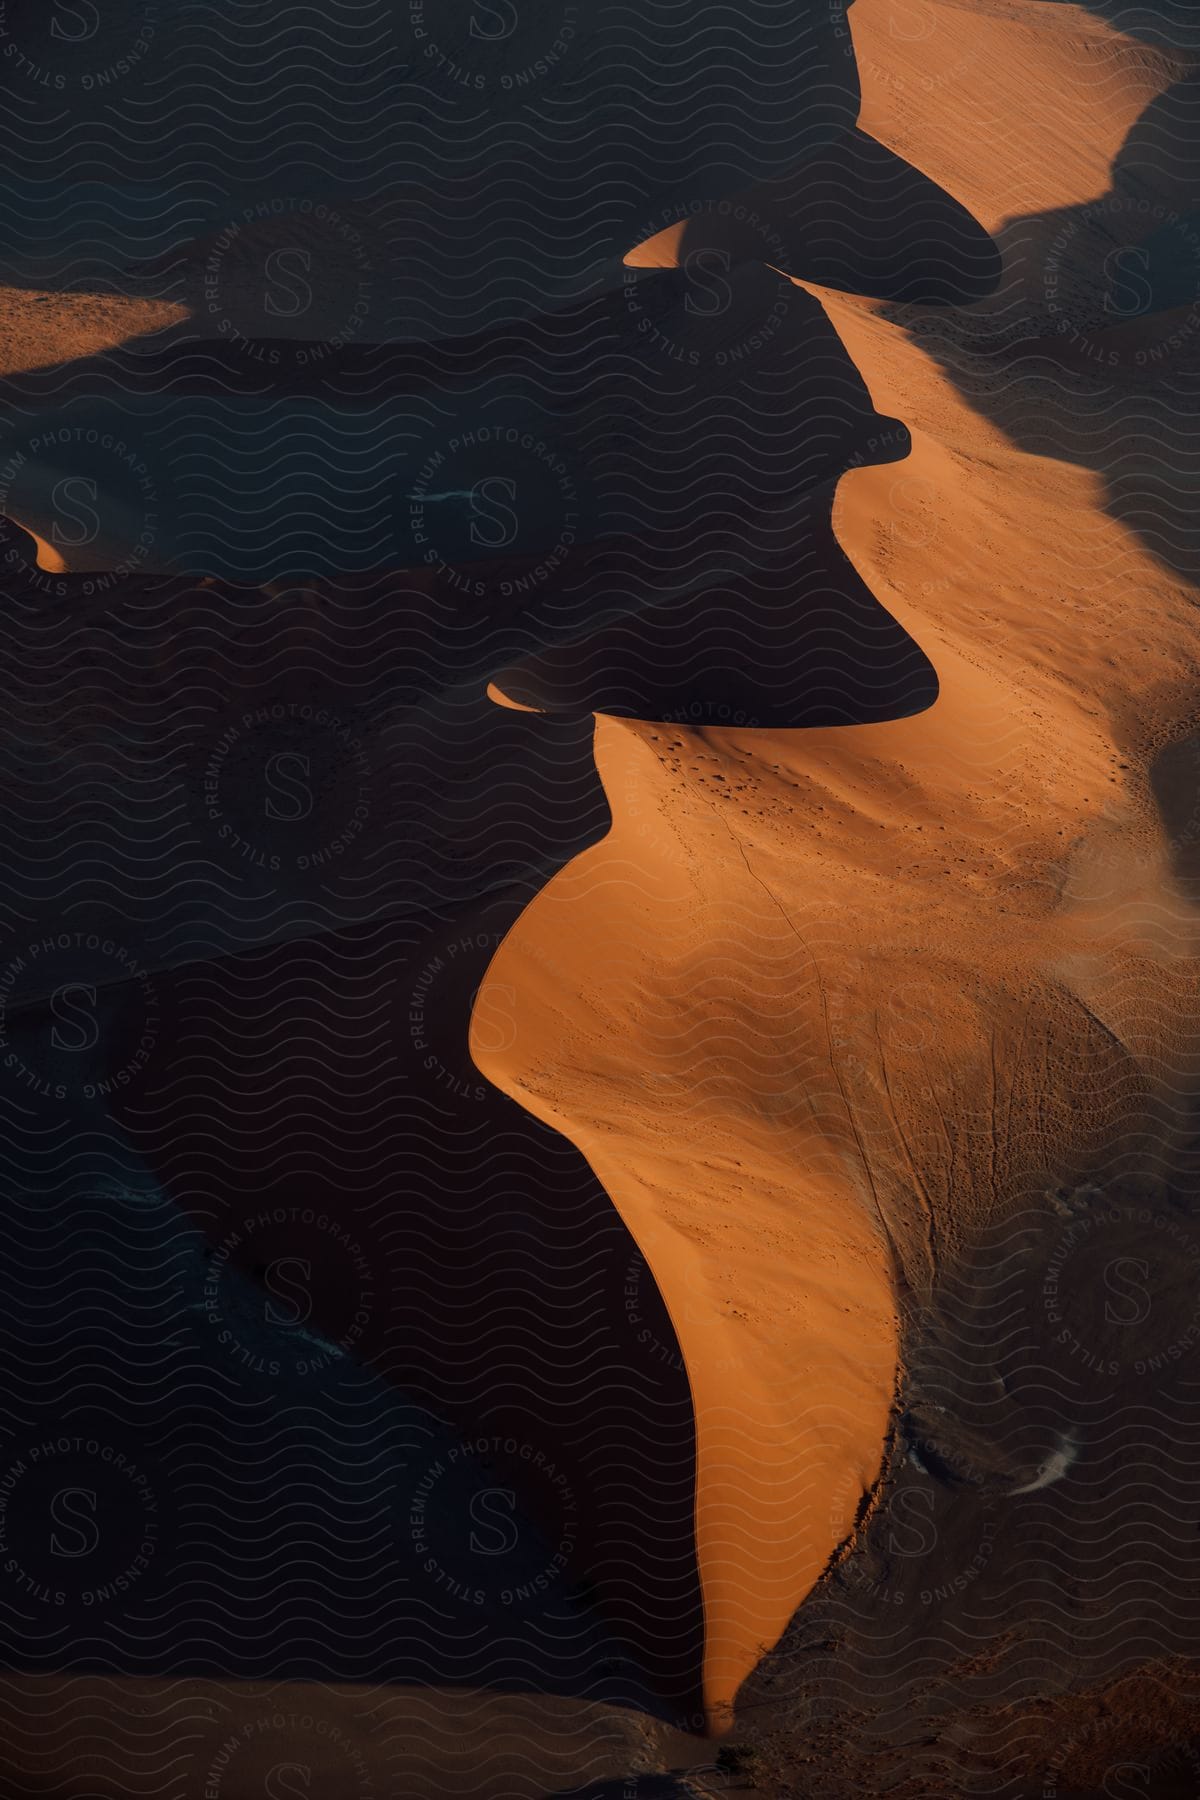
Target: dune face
<point x="832" y="1006"/>
<point x="599" y="966"/>
<point x="687" y="1009"/>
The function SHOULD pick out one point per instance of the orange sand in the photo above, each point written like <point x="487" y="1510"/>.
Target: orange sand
<point x="823" y="1001"/>
<point x="39" y="328"/>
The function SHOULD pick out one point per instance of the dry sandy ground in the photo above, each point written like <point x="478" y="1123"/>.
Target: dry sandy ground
<point x="871" y="1031"/>
<point x="828" y="1006"/>
<point x="40" y="329"/>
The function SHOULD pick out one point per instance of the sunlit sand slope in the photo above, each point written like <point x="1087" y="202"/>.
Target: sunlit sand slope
<point x="825" y="1003"/>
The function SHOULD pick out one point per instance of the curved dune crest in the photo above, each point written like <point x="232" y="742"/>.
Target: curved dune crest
<point x="801" y="1071"/>
<point x="824" y="1003"/>
<point x="851" y="1043"/>
<point x="675" y="1026"/>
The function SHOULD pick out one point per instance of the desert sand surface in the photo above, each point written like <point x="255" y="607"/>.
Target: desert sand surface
<point x="967" y="928"/>
<point x="665" y="1208"/>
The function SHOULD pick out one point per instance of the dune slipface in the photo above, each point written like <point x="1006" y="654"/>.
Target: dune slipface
<point x="825" y="1005"/>
<point x="676" y="1026"/>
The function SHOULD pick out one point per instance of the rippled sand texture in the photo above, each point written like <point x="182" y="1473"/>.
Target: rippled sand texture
<point x="825" y="1005"/>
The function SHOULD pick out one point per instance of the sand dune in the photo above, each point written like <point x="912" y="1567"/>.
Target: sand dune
<point x="853" y="955"/>
<point x="835" y="1000"/>
<point x="43" y="327"/>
